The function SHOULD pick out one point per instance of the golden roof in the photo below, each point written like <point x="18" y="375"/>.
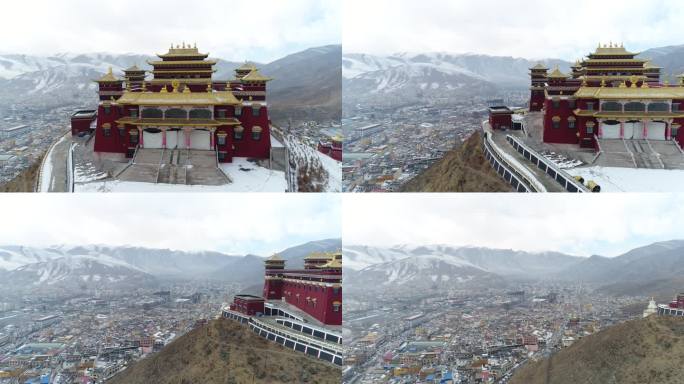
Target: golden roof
<point x="333" y="263"/>
<point x="134" y="68"/>
<point x="319" y="256"/>
<point x="178" y="98"/>
<point x="183" y="51"/>
<point x="172" y="122"/>
<point x="108" y="77"/>
<point x="612" y="50"/>
<point x="247" y="67"/>
<point x="557" y="74"/>
<point x="255" y="76"/>
<point x="275" y="257"/>
<point x="539" y="66"/>
<point x="181" y="62"/>
<point x="630" y="93"/>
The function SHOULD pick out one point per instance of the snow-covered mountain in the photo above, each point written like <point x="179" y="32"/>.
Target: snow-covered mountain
<point x="435" y="74"/>
<point x="78" y="272"/>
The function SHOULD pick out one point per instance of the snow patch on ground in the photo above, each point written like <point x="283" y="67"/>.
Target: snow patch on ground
<point x="614" y="179"/>
<point x="246" y="177"/>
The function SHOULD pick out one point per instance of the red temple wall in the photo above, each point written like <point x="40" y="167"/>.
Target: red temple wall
<point x="562" y="134"/>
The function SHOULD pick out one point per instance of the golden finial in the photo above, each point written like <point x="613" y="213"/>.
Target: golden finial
<point x="163" y="89"/>
<point x="644" y="85"/>
<point x="195" y="45"/>
<point x="603" y="83"/>
<point x="584" y="81"/>
<point x="623" y="85"/>
<point x="250" y="98"/>
<point x="174" y="85"/>
<point x="144" y="86"/>
<point x="209" y="87"/>
<point x="186" y="89"/>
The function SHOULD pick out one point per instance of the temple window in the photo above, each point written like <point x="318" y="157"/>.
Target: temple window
<point x="107" y="109"/>
<point x="256" y="133"/>
<point x="238" y="111"/>
<point x="556" y="121"/>
<point x="152" y="113"/>
<point x="106" y="130"/>
<point x="133" y="112"/>
<point x="571" y="122"/>
<point x="635" y="107"/>
<point x="590" y="106"/>
<point x="556" y="103"/>
<point x="122" y="132"/>
<point x="133" y="137"/>
<point x="611" y="106"/>
<point x="658" y="107"/>
<point x="336" y="306"/>
<point x="675" y="107"/>
<point x="256" y="110"/>
<point x="176" y="113"/>
<point x="571" y="104"/>
<point x="221" y="139"/>
<point x="221" y="113"/>
<point x="674" y="130"/>
<point x="238" y="132"/>
<point x="200" y="114"/>
<point x="222" y="155"/>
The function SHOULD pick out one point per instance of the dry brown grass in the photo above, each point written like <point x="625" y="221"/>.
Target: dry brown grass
<point x="25" y="181"/>
<point x="226" y="352"/>
<point x="464" y="169"/>
<point x="640" y="351"/>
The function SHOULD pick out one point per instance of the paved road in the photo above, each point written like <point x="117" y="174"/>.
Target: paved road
<point x="56" y="165"/>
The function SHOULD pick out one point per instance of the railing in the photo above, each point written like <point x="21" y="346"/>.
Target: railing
<point x="598" y="148"/>
<point x="218" y="166"/>
<point x="505" y="170"/>
<point x="70" y="168"/>
<point x="161" y="162"/>
<point x="322" y="349"/>
<point x="563" y="178"/>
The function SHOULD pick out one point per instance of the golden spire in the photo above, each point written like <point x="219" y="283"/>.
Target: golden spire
<point x="175" y="84"/>
<point x="603" y="83"/>
<point x="209" y="87"/>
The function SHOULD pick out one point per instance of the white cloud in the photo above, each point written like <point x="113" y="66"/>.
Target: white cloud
<point x="236" y="223"/>
<point x="606" y="224"/>
<point x="529" y="28"/>
<point x="260" y="30"/>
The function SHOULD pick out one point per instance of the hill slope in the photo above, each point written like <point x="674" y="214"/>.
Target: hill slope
<point x="635" y="352"/>
<point x="464" y="169"/>
<point x="226" y="352"/>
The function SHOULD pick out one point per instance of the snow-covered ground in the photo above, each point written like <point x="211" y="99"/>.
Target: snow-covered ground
<point x="46" y="170"/>
<point x="246" y="177"/>
<point x="334" y="169"/>
<point x="613" y="179"/>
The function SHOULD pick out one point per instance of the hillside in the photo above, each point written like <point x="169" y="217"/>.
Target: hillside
<point x="226" y="352"/>
<point x="464" y="169"/>
<point x="635" y="352"/>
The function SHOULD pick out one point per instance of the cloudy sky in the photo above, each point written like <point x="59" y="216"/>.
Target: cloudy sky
<point x="523" y="28"/>
<point x="258" y="223"/>
<point x="258" y="30"/>
<point x="583" y="225"/>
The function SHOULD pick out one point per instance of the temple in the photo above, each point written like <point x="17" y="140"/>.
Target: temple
<point x="611" y="94"/>
<point x="299" y="308"/>
<point x="181" y="107"/>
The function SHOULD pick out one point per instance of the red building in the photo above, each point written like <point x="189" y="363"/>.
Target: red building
<point x="332" y="147"/>
<point x="83" y="122"/>
<point x="316" y="289"/>
<point x="500" y="117"/>
<point x="248" y="304"/>
<point x="609" y="95"/>
<point x="183" y="107"/>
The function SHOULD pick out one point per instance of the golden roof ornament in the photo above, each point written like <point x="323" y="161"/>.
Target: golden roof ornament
<point x="645" y="85"/>
<point x="603" y="83"/>
<point x="186" y="89"/>
<point x="144" y="86"/>
<point x="209" y="87"/>
<point x="163" y="89"/>
<point x="623" y="85"/>
<point x="175" y="84"/>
